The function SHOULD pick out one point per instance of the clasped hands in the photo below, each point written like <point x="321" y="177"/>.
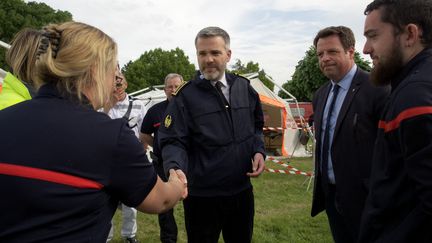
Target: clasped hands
<point x="178" y="178"/>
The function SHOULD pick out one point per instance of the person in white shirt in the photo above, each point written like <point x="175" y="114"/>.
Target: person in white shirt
<point x="133" y="111"/>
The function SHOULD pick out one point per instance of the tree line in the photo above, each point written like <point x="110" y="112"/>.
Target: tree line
<point x="153" y="65"/>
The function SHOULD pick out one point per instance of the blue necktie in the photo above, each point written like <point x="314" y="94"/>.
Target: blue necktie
<point x="326" y="141"/>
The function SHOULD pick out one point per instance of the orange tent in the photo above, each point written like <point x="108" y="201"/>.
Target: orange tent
<point x="280" y="129"/>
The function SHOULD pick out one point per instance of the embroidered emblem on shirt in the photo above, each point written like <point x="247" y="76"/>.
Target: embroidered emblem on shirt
<point x="168" y="121"/>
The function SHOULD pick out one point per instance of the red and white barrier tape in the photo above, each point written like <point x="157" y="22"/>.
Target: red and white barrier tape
<point x="291" y="170"/>
<point x="273" y="128"/>
<point x="288" y="172"/>
<point x="279" y="129"/>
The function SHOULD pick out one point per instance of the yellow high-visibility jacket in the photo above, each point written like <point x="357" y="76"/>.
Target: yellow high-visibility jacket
<point x="12" y="91"/>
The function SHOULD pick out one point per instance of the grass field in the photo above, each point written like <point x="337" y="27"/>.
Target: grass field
<point x="282" y="211"/>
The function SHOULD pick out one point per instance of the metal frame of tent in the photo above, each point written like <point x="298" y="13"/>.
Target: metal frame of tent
<point x="4" y="44"/>
<point x="149" y="100"/>
<point x="304" y="125"/>
<point x="150" y="88"/>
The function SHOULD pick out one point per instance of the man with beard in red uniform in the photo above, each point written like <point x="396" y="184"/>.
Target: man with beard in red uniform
<point x="398" y="39"/>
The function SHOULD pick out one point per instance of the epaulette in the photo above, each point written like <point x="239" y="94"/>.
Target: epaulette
<point x="180" y="88"/>
<point x="240" y="75"/>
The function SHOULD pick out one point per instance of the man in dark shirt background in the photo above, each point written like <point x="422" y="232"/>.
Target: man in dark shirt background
<point x="149" y="131"/>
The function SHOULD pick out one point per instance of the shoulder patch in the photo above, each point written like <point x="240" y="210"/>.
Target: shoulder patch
<point x="180" y="87"/>
<point x="168" y="120"/>
<point x="241" y="76"/>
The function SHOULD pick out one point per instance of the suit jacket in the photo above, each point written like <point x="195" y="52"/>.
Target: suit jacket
<point x="352" y="147"/>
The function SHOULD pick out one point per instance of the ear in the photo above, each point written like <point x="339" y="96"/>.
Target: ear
<point x="413" y="34"/>
<point x="228" y="55"/>
<point x="351" y="52"/>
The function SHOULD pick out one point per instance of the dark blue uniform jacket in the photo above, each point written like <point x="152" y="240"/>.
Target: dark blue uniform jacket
<point x="63" y="169"/>
<point x="213" y="145"/>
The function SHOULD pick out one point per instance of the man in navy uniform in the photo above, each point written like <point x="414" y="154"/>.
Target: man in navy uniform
<point x="212" y="132"/>
<point x="150" y="125"/>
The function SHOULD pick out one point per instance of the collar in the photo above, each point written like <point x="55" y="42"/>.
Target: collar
<point x="222" y="80"/>
<point x="50" y="90"/>
<point x="345" y="82"/>
<point x="227" y="79"/>
<point x="407" y="68"/>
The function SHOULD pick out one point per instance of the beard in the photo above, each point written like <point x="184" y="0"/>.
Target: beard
<point x="212" y="76"/>
<point x="388" y="67"/>
<point x="215" y="74"/>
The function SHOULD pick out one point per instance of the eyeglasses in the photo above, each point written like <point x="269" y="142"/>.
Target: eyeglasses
<point x="118" y="81"/>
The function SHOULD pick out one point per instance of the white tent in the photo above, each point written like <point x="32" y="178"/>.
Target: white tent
<point x="281" y="133"/>
<point x="151" y="95"/>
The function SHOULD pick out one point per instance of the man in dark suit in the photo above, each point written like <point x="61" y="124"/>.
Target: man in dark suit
<point x="346" y="112"/>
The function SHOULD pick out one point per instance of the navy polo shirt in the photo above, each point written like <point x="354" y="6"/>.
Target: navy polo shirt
<point x="63" y="169"/>
<point x="151" y="123"/>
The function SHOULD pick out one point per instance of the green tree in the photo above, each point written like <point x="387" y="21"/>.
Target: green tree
<point x="307" y="77"/>
<point x="252" y="67"/>
<point x="152" y="67"/>
<point x="17" y="14"/>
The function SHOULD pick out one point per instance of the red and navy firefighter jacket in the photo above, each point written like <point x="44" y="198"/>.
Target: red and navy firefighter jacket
<point x="399" y="205"/>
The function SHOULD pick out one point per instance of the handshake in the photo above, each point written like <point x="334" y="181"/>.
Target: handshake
<point x="165" y="195"/>
<point x="178" y="179"/>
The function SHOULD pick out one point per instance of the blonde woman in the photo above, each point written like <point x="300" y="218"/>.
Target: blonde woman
<point x="64" y="166"/>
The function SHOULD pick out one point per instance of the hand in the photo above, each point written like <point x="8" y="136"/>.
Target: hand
<point x="257" y="165"/>
<point x="178" y="174"/>
<point x="181" y="176"/>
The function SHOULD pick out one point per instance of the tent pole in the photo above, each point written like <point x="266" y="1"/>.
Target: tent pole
<point x="154" y="87"/>
<point x="4" y="44"/>
<point x="305" y="126"/>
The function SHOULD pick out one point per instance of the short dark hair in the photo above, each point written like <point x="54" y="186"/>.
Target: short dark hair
<point x="345" y="34"/>
<point x="213" y="31"/>
<point x="400" y="13"/>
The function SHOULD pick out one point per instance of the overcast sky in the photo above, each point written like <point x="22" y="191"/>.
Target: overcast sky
<point x="274" y="33"/>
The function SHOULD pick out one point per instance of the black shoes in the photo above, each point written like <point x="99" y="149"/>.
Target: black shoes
<point x="131" y="240"/>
